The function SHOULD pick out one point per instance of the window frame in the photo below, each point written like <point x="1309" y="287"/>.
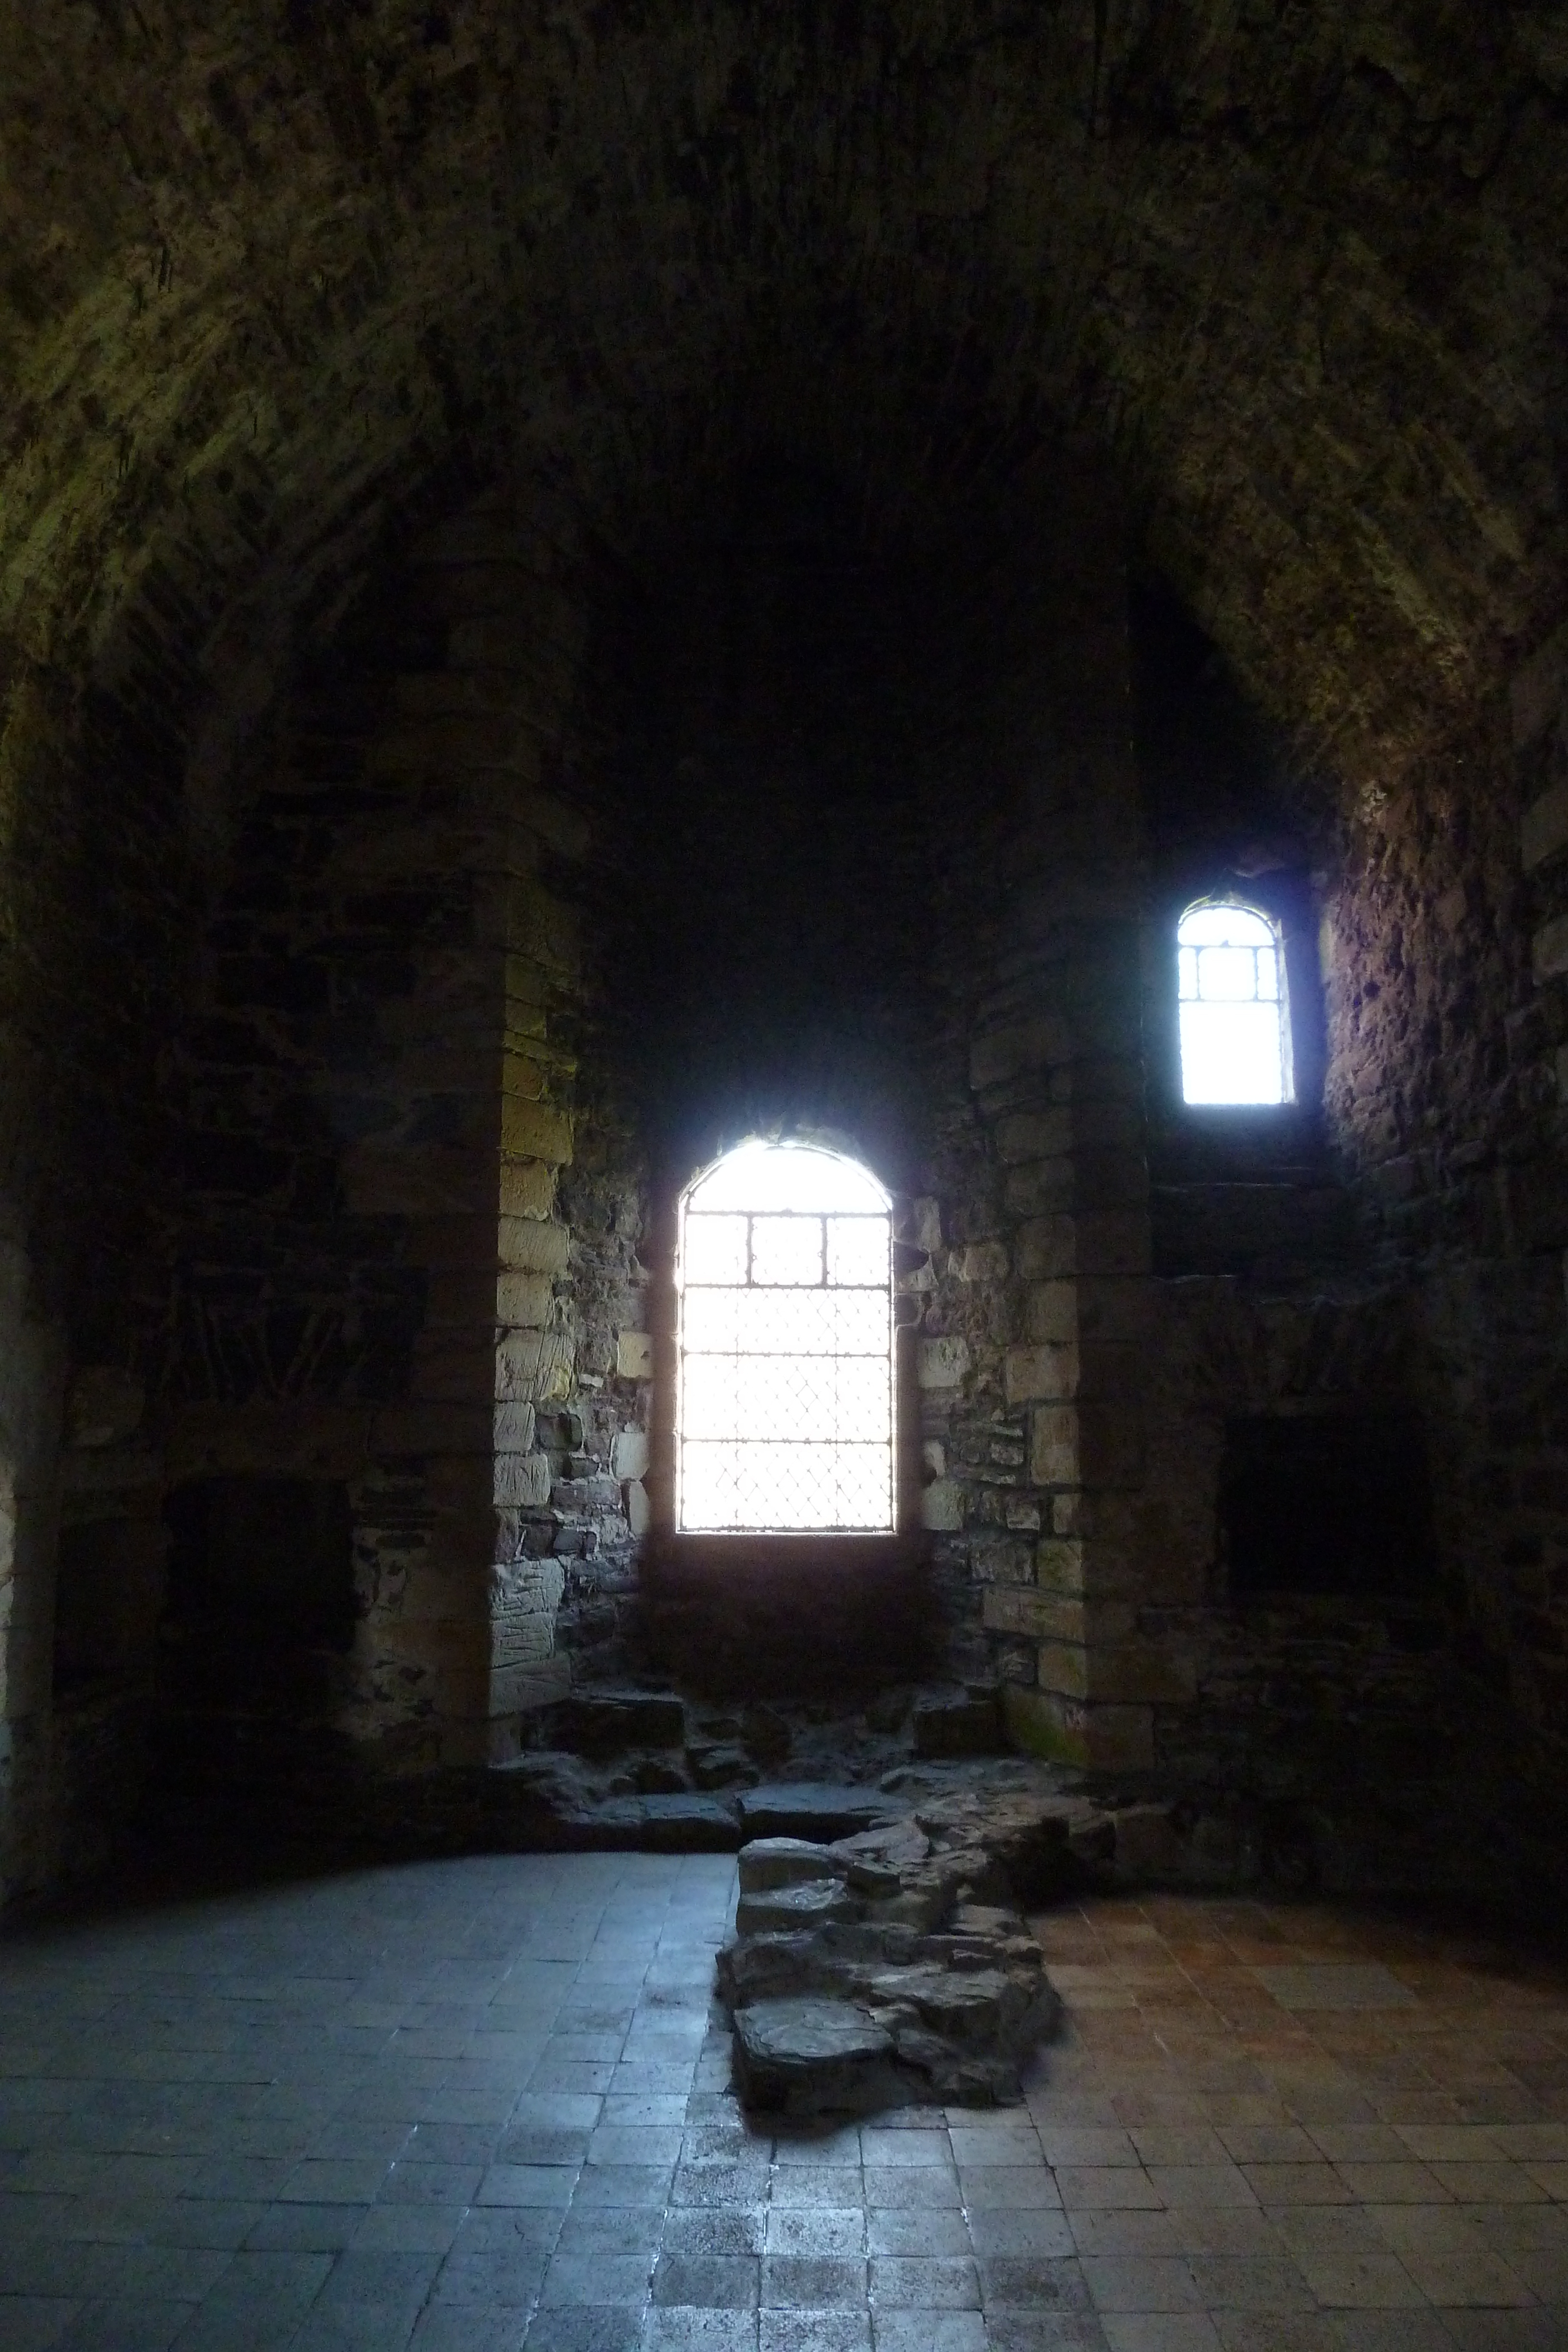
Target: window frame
<point x="1238" y="902"/>
<point x="884" y="1210"/>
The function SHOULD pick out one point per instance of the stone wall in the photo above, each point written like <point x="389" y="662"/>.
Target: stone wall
<point x="552" y="872"/>
<point x="372" y="1291"/>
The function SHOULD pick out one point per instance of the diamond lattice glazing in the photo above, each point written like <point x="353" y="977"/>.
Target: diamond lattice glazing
<point x="785" y="1412"/>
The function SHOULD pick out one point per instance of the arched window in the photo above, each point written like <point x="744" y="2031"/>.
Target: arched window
<point x="784" y="1415"/>
<point x="1235" y="1023"/>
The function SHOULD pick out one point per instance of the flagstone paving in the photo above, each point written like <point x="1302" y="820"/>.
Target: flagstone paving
<point x="474" y="2104"/>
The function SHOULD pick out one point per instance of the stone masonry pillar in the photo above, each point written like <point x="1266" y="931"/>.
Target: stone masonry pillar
<point x="1057" y="1070"/>
<point x="465" y="1618"/>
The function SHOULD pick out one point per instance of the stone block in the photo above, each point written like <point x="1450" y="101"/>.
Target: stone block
<point x="1046" y="1248"/>
<point x="535" y="1132"/>
<point x="767" y="1864"/>
<point x="522" y="1690"/>
<point x="629" y="1452"/>
<point x="1070" y="1729"/>
<point x="523" y="1075"/>
<point x="639" y="1509"/>
<point x="996" y="1558"/>
<point x="522" y="1481"/>
<point x="526" y="990"/>
<point x="808" y="2055"/>
<point x="532" y="1245"/>
<point x="1053" y="1451"/>
<point x="525" y="1190"/>
<point x="513" y="913"/>
<point x="1090" y="1242"/>
<point x="819" y="1812"/>
<point x="535" y="1366"/>
<point x="1016" y="1052"/>
<point x="943" y="1364"/>
<point x="521" y="1638"/>
<point x="1035" y="1722"/>
<point x="1548" y="949"/>
<point x="1059" y="1564"/>
<point x="1033" y="1615"/>
<point x="925" y="1223"/>
<point x="523" y="1298"/>
<point x="981" y="1262"/>
<point x="634" y="1356"/>
<point x="942" y="1506"/>
<point x="1034" y="1135"/>
<point x="1040" y="1373"/>
<point x="512" y="1427"/>
<point x="1041" y="1188"/>
<point x="530" y="1586"/>
<point x="1065" y="1667"/>
<point x="1051" y="1312"/>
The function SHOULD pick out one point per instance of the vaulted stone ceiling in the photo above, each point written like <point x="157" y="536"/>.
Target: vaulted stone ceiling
<point x="276" y="276"/>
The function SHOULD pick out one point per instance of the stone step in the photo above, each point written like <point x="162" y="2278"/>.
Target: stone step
<point x="807" y="2055"/>
<point x="541" y="1805"/>
<point x="601" y="1723"/>
<point x="817" y="1810"/>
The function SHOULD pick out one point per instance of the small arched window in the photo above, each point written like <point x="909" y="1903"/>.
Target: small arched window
<point x="784" y="1414"/>
<point x="1234" y="1023"/>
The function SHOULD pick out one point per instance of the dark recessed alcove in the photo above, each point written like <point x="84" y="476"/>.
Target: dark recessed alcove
<point x="266" y="1560"/>
<point x="260" y="1612"/>
<point x="1325" y="1503"/>
<point x="829" y="1617"/>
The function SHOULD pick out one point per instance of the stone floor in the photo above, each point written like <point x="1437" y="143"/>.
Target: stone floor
<point x="476" y="2103"/>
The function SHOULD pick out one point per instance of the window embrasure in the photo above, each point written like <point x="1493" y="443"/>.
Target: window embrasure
<point x="1234" y="1021"/>
<point x="784" y="1415"/>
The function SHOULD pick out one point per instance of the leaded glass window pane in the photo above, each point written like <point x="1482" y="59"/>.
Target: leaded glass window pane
<point x="1234" y="1022"/>
<point x="785" y="1411"/>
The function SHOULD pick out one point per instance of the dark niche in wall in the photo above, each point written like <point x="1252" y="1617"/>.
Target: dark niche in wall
<point x="1325" y="1503"/>
<point x="260" y="1581"/>
<point x="107" y="1601"/>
